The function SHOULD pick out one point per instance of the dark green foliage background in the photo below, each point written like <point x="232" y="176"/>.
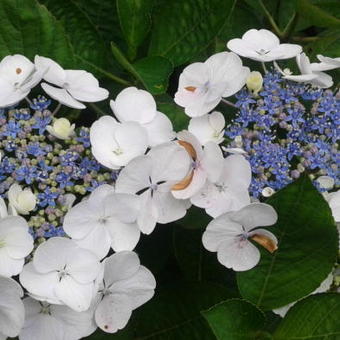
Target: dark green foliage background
<point x="146" y="43"/>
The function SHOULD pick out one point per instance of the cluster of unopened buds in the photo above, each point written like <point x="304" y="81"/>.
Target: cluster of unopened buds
<point x="75" y="201"/>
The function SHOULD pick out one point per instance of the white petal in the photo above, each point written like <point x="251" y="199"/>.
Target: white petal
<point x="212" y="161"/>
<point x="3" y="208"/>
<point x="135" y="105"/>
<point x="123" y="236"/>
<point x="9" y="266"/>
<point x="52" y="71"/>
<point x="139" y="287"/>
<point x="62" y="96"/>
<point x="236" y="171"/>
<point x="74" y="295"/>
<point x="84" y="86"/>
<point x="219" y="230"/>
<point x="285" y="51"/>
<point x="303" y="78"/>
<point x="98" y="241"/>
<point x="38" y="284"/>
<point x="236" y="257"/>
<point x="159" y="130"/>
<point x="19" y="243"/>
<point x="148" y="215"/>
<point x="255" y="215"/>
<point x="169" y="208"/>
<point x="120" y="266"/>
<point x="113" y="312"/>
<point x="323" y="80"/>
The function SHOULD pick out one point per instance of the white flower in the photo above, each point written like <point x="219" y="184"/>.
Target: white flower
<point x="15" y="244"/>
<point x="254" y="82"/>
<point x="61" y="128"/>
<point x="229" y="235"/>
<point x="114" y="144"/>
<point x="133" y="105"/>
<point x="263" y="45"/>
<point x="206" y="164"/>
<point x="55" y="322"/>
<point x="12" y="311"/>
<point x="267" y="192"/>
<point x="72" y="86"/>
<point x="325" y="182"/>
<point x="202" y="85"/>
<point x="62" y="273"/>
<point x="22" y="200"/>
<point x="126" y="286"/>
<point x="230" y="191"/>
<point x="152" y="176"/>
<point x="105" y="220"/>
<point x="324" y="286"/>
<point x="17" y="77"/>
<point x="326" y="63"/>
<point x="308" y="75"/>
<point x="208" y="128"/>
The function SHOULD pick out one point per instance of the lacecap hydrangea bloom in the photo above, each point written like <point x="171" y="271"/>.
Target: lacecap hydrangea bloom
<point x="75" y="200"/>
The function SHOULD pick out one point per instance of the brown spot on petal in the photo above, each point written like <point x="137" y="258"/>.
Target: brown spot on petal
<point x="265" y="242"/>
<point x="184" y="183"/>
<point x="18" y="70"/>
<point x="191" y="88"/>
<point x="106" y="327"/>
<point x="189" y="148"/>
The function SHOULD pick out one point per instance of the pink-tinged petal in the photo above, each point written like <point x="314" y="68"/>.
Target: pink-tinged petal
<point x="113" y="312"/>
<point x="238" y="255"/>
<point x="219" y="230"/>
<point x="62" y="96"/>
<point x="255" y="215"/>
<point x="74" y="295"/>
<point x="135" y="105"/>
<point x="140" y="287"/>
<point x="120" y="266"/>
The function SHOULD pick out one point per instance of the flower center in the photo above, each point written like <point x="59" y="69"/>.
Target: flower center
<point x="18" y="70"/>
<point x="262" y="51"/>
<point x="118" y="151"/>
<point x="45" y="309"/>
<point x="191" y="88"/>
<point x="62" y="273"/>
<point x="221" y="187"/>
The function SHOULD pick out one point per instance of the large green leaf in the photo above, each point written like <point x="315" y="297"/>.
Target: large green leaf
<point x="198" y="264"/>
<point x="135" y="21"/>
<point x="152" y="72"/>
<point x="184" y="28"/>
<point x="315" y="15"/>
<point x="83" y="34"/>
<point x="174" y="312"/>
<point x="235" y="319"/>
<point x="315" y="318"/>
<point x="308" y="245"/>
<point x="28" y="28"/>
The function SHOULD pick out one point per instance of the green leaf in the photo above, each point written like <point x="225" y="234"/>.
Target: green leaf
<point x="184" y="28"/>
<point x="177" y="116"/>
<point x="83" y="34"/>
<point x="198" y="264"/>
<point x="315" y="318"/>
<point x="152" y="72"/>
<point x="308" y="246"/>
<point x="235" y="319"/>
<point x="135" y="21"/>
<point x="28" y="28"/>
<point x="315" y="15"/>
<point x="174" y="312"/>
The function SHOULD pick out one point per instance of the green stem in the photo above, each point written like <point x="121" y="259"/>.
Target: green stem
<point x="105" y="73"/>
<point x="305" y="39"/>
<point x="289" y="29"/>
<point x="95" y="108"/>
<point x="270" y="19"/>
